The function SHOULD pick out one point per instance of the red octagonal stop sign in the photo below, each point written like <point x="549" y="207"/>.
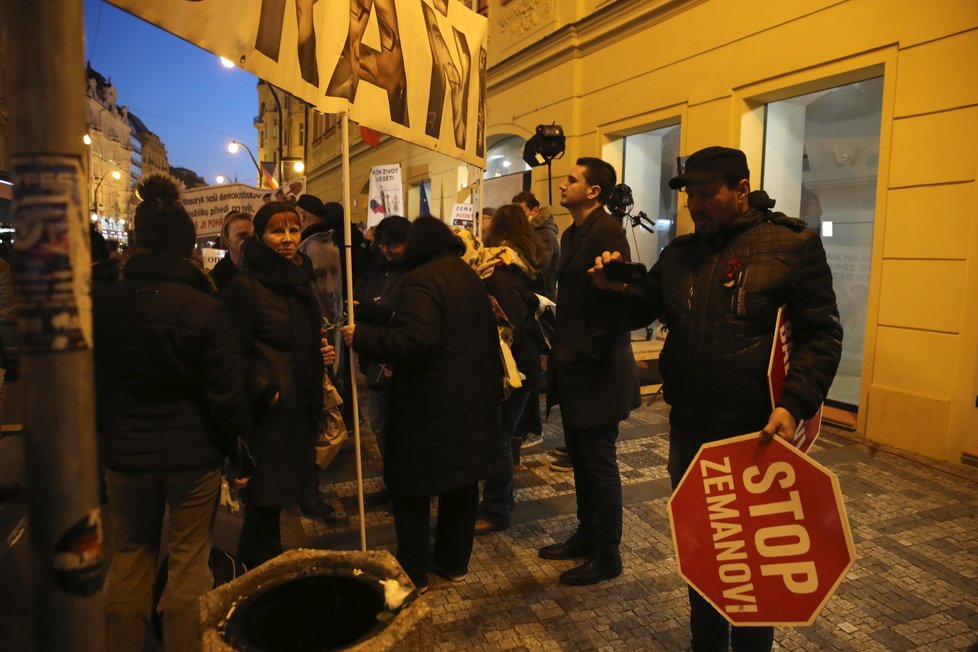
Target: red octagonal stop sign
<point x="760" y="531"/>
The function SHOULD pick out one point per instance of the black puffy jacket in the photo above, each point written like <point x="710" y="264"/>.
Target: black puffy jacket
<point x="719" y="298"/>
<point x="169" y="385"/>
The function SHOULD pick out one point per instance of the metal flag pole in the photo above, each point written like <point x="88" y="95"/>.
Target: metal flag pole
<point x="348" y="243"/>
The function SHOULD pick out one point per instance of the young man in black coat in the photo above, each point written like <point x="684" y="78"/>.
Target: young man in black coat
<point x="592" y="374"/>
<point x="719" y="290"/>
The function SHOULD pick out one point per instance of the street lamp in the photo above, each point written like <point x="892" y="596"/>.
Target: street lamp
<point x="115" y="174"/>
<point x="233" y="147"/>
<point x="295" y="164"/>
<point x="223" y="178"/>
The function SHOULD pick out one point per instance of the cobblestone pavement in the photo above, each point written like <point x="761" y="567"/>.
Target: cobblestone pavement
<point x="913" y="586"/>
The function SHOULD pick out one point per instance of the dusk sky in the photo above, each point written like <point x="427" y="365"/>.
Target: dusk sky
<point x="182" y="93"/>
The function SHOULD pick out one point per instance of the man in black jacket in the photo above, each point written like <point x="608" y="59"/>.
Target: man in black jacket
<point x="592" y="374"/>
<point x="718" y="290"/>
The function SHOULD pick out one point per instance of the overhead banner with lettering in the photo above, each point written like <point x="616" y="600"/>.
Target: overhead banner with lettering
<point x="414" y="69"/>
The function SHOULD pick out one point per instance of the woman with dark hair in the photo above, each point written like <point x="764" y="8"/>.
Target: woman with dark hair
<point x="170" y="410"/>
<point x="507" y="264"/>
<point x="275" y="322"/>
<point x="445" y="395"/>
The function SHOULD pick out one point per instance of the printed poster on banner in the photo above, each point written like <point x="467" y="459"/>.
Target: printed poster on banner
<point x="386" y="193"/>
<point x="463" y="215"/>
<point x="760" y="531"/>
<point x="207" y="206"/>
<point x="777" y="372"/>
<point x="414" y="70"/>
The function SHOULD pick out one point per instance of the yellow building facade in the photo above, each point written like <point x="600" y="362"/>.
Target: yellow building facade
<point x="861" y="116"/>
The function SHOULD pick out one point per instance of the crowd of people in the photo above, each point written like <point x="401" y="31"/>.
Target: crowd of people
<point x="199" y="373"/>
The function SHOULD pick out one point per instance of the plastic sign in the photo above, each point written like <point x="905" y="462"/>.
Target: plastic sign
<point x="777" y="372"/>
<point x="760" y="531"/>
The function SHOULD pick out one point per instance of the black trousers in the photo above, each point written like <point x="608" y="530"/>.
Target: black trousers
<point x="454" y="531"/>
<point x="597" y="483"/>
<point x="710" y="630"/>
<point x="261" y="535"/>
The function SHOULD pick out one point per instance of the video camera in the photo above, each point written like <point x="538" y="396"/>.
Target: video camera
<point x="620" y="205"/>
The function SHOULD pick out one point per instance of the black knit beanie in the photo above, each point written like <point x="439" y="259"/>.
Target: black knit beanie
<point x="161" y="222"/>
<point x="266" y="212"/>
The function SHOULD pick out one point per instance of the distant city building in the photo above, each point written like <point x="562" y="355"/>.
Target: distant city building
<point x="110" y="156"/>
<point x="6" y="232"/>
<point x="278" y="156"/>
<point x="187" y="177"/>
<point x="152" y="151"/>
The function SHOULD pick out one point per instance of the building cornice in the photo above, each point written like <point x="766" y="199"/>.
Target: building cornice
<point x="614" y="21"/>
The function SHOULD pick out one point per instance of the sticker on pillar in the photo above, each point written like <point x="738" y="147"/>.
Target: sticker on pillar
<point x="78" y="560"/>
<point x="52" y="270"/>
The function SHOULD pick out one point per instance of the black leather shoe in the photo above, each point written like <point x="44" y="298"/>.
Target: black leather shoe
<point x="316" y="508"/>
<point x="378" y="498"/>
<point x="594" y="570"/>
<point x="573" y="547"/>
<point x="485" y="526"/>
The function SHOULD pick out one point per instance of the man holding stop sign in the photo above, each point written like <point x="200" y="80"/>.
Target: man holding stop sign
<point x="718" y="290"/>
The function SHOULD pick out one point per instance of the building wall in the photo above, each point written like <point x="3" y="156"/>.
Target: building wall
<point x="4" y="115"/>
<point x="110" y="150"/>
<point x="153" y="155"/>
<point x="606" y="69"/>
<point x="708" y="66"/>
<point x="293" y="116"/>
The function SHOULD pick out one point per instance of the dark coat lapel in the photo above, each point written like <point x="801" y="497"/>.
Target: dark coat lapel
<point x="576" y="235"/>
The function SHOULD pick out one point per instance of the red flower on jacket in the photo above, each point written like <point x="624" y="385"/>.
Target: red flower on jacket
<point x="733" y="267"/>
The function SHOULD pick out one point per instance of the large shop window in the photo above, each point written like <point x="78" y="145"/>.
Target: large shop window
<point x="507" y="173"/>
<point x="505" y="157"/>
<point x="821" y="154"/>
<point x="649" y="162"/>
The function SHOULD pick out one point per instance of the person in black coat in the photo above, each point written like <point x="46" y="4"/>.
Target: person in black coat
<point x="376" y="297"/>
<point x="275" y="324"/>
<point x="508" y="266"/>
<point x="444" y="415"/>
<point x="592" y="373"/>
<point x="235" y="231"/>
<point x="170" y="410"/>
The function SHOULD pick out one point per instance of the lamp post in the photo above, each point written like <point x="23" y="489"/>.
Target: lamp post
<point x="278" y="105"/>
<point x="296" y="165"/>
<point x="115" y="174"/>
<point x="233" y="148"/>
<point x="223" y="178"/>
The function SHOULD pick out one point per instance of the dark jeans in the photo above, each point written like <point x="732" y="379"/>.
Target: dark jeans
<point x="261" y="536"/>
<point x="378" y="403"/>
<point x="497" y="492"/>
<point x="530" y="422"/>
<point x="598" y="485"/>
<point x="710" y="630"/>
<point x="454" y="532"/>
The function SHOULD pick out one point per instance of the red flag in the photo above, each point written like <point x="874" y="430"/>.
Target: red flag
<point x="268" y="168"/>
<point x="369" y="136"/>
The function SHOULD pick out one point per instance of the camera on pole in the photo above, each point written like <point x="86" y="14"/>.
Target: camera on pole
<point x="620" y="206"/>
<point x="543" y="147"/>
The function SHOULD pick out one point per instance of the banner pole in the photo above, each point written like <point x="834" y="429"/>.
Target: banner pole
<point x="348" y="243"/>
<point x="482" y="186"/>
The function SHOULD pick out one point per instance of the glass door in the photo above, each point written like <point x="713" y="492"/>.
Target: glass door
<point x="821" y="154"/>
